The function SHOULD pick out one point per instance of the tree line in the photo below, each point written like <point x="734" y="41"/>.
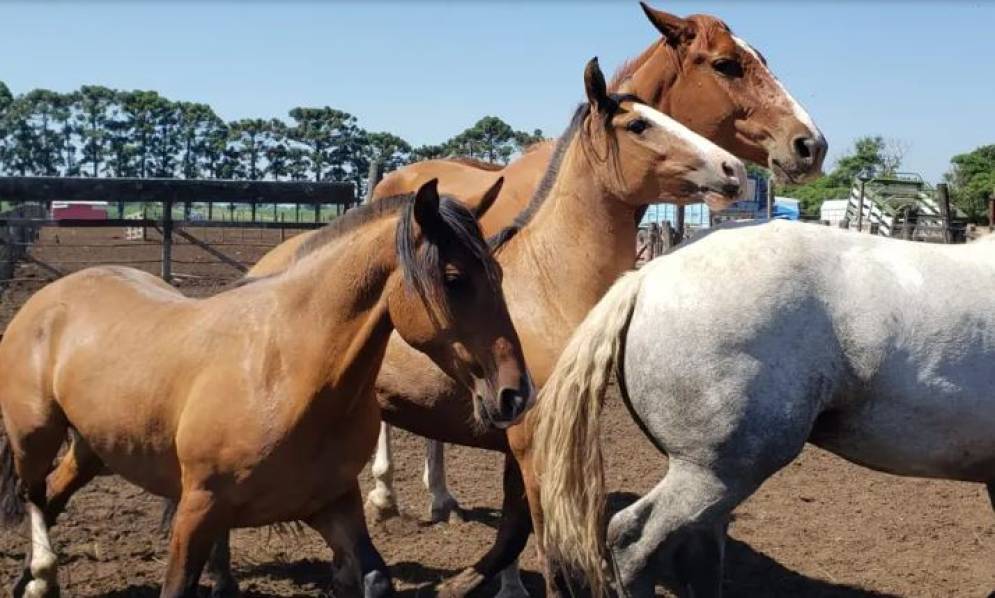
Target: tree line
<point x="100" y="132"/>
<point x="971" y="177"/>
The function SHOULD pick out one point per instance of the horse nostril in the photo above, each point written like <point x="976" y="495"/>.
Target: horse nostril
<point x="511" y="403"/>
<point x="731" y="189"/>
<point x="728" y="170"/>
<point x="804" y="147"/>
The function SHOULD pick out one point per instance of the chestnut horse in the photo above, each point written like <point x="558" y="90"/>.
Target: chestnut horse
<point x="701" y="75"/>
<point x="617" y="156"/>
<point x="257" y="405"/>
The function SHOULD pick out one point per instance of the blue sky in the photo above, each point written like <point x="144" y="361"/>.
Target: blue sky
<point x="920" y="72"/>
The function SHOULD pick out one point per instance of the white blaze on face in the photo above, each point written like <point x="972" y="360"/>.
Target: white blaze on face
<point x="800" y="113"/>
<point x="714" y="156"/>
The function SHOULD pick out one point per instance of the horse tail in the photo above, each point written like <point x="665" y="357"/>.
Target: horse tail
<point x="566" y="441"/>
<point x="11" y="503"/>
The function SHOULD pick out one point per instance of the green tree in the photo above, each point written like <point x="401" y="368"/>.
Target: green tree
<point x="490" y="138"/>
<point x="524" y="139"/>
<point x="39" y="111"/>
<point x="250" y="138"/>
<point x="872" y="154"/>
<point x="6" y="99"/>
<point x="972" y="181"/>
<point x="91" y="122"/>
<point x="196" y="121"/>
<point x="65" y="107"/>
<point x="329" y="138"/>
<point x="166" y="139"/>
<point x="277" y="150"/>
<point x="428" y="152"/>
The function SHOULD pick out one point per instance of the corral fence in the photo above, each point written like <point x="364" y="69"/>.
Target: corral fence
<point x="15" y="239"/>
<point x="166" y="206"/>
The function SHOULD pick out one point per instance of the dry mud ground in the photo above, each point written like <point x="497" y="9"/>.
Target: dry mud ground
<point x="821" y="527"/>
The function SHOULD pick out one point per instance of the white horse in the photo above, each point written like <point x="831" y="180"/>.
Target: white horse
<point x="736" y="350"/>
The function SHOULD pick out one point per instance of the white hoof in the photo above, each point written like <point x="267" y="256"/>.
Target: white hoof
<point x="381" y="506"/>
<point x="40" y="588"/>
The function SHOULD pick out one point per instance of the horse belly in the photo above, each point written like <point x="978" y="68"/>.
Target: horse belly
<point x="317" y="464"/>
<point x="936" y="437"/>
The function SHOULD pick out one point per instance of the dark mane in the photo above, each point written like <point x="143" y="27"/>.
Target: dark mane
<point x="475" y="163"/>
<point x="351" y="220"/>
<point x="552" y="171"/>
<point x="422" y="267"/>
<point x="423" y="270"/>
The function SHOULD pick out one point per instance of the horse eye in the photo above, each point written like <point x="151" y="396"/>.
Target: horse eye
<point x="454" y="281"/>
<point x="637" y="126"/>
<point x="728" y="67"/>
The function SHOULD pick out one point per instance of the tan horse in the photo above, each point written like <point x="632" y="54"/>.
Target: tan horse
<point x="701" y="75"/>
<point x="256" y="405"/>
<point x="617" y="156"/>
<point x="698" y="73"/>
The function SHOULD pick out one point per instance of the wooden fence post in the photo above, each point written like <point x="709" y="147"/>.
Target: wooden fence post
<point x="770" y="198"/>
<point x="167" y="240"/>
<point x="991" y="212"/>
<point x="943" y="199"/>
<point x="678" y="225"/>
<point x="373" y="179"/>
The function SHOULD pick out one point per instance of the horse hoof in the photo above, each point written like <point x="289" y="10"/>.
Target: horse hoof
<point x="445" y="512"/>
<point x="376" y="584"/>
<point x="461" y="585"/>
<point x="381" y="513"/>
<point x="39" y="588"/>
<point x="225" y="589"/>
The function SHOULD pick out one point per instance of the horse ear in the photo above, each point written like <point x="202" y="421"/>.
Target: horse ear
<point x="488" y="199"/>
<point x="596" y="88"/>
<point x="426" y="209"/>
<point x="675" y="29"/>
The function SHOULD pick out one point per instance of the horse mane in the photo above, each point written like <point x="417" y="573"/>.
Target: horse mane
<point x="630" y="66"/>
<point x="476" y="163"/>
<point x="552" y="171"/>
<point x="422" y="269"/>
<point x="351" y="220"/>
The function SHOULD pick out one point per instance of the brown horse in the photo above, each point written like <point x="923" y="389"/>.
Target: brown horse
<point x="256" y="405"/>
<point x="617" y="156"/>
<point x="699" y="74"/>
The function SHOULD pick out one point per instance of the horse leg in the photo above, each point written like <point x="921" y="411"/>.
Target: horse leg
<point x="76" y="469"/>
<point x="513" y="534"/>
<point x="343" y="527"/>
<point x="991" y="493"/>
<point x="34" y="442"/>
<point x="382" y="501"/>
<point x="219" y="568"/>
<point x="196" y="525"/>
<point x="681" y="521"/>
<point x="443" y="504"/>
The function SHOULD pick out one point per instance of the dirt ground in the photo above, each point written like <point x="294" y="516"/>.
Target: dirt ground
<point x="821" y="527"/>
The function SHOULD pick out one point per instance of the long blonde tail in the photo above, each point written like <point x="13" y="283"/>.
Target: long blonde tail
<point x="566" y="443"/>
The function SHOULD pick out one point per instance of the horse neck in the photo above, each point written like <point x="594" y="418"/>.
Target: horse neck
<point x="582" y="238"/>
<point x="651" y="75"/>
<point x="333" y="304"/>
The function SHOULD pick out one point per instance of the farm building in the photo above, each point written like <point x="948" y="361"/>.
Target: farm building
<point x="754" y="206"/>
<point x="833" y="211"/>
<point x="79" y="210"/>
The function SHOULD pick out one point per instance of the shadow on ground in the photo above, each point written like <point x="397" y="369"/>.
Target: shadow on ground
<point x="749" y="572"/>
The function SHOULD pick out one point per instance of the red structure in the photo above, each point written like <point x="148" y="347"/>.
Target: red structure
<point x="79" y="210"/>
